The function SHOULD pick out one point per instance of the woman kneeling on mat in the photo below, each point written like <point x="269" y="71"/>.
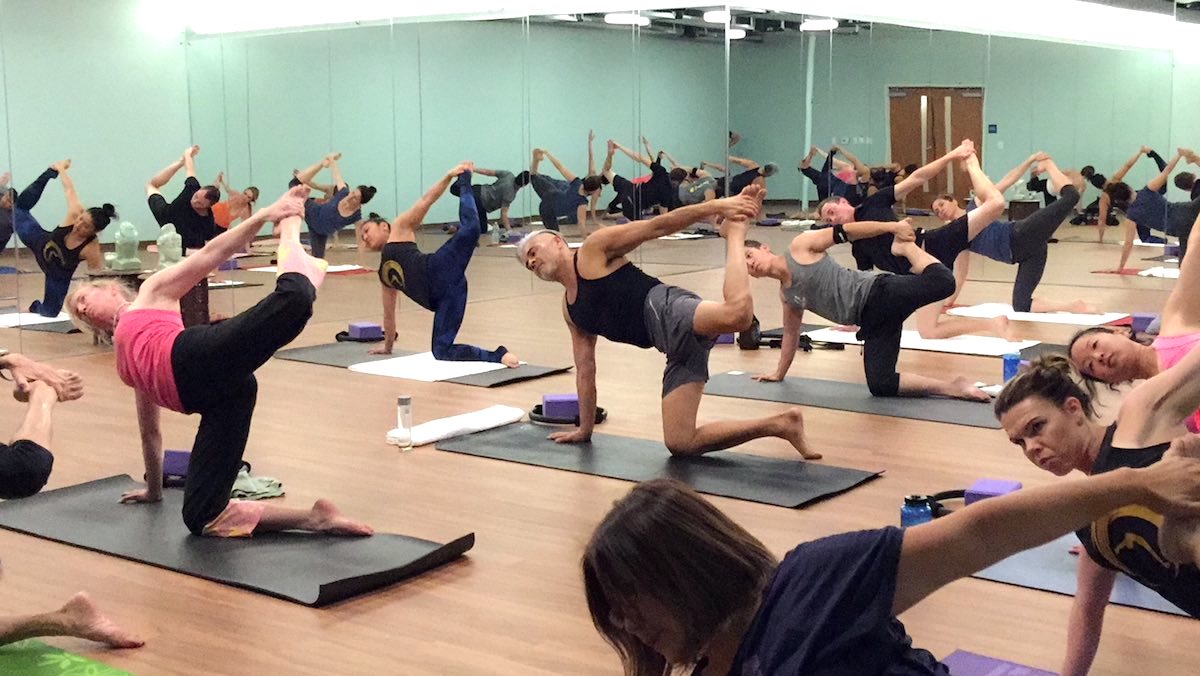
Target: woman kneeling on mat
<point x="672" y="582"/>
<point x="436" y="281"/>
<point x="210" y="370"/>
<point x="1052" y="419"/>
<point x="1104" y="355"/>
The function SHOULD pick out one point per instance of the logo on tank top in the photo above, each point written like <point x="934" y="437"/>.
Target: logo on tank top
<point x="1128" y="540"/>
<point x="52" y="253"/>
<point x="392" y="275"/>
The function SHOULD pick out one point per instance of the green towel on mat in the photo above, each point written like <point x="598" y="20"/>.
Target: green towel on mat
<point x="34" y="658"/>
<point x="247" y="487"/>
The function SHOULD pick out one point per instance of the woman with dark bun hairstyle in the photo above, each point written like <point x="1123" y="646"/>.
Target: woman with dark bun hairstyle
<point x="1046" y="412"/>
<point x="341" y="207"/>
<point x="59" y="251"/>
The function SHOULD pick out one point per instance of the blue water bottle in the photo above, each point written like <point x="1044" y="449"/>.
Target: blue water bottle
<point x="916" y="510"/>
<point x="1012" y="365"/>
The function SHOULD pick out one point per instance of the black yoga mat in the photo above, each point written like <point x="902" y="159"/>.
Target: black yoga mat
<point x="349" y="353"/>
<point x="1052" y="567"/>
<point x="773" y="481"/>
<point x="1163" y="258"/>
<point x="306" y="568"/>
<point x="1032" y="352"/>
<point x="853" y="397"/>
<point x="65" y="326"/>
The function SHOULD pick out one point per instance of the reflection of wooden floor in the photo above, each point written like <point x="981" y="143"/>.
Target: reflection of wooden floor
<point x="515" y="605"/>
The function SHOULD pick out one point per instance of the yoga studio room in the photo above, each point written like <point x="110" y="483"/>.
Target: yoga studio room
<point x="555" y="338"/>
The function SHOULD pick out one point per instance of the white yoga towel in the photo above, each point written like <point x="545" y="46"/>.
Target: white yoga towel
<point x="425" y="368"/>
<point x="992" y="310"/>
<point x="332" y="268"/>
<point x="682" y="235"/>
<point x="14" y="319"/>
<point x="570" y="245"/>
<point x="466" y="423"/>
<point x="987" y="346"/>
<point x="1164" y="273"/>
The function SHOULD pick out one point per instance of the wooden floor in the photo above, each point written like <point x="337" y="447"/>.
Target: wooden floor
<point x="515" y="605"/>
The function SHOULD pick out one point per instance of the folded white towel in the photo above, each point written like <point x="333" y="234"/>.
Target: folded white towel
<point x="466" y="423"/>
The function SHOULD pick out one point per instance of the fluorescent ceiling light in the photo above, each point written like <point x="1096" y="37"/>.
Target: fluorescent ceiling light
<point x="720" y="16"/>
<point x="736" y="33"/>
<point x="565" y="17"/>
<point x="626" y="19"/>
<point x="819" y="24"/>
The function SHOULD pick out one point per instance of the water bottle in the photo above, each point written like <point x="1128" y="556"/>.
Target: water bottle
<point x="496" y="234"/>
<point x="916" y="510"/>
<point x="404" y="422"/>
<point x="1012" y="366"/>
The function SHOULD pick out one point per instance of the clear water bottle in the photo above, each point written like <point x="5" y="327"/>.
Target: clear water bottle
<point x="495" y="234"/>
<point x="916" y="510"/>
<point x="404" y="423"/>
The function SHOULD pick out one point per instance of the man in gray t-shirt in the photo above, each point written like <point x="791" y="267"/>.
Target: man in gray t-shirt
<point x="498" y="194"/>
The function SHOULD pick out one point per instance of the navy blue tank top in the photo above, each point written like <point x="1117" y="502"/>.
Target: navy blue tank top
<point x="58" y="259"/>
<point x="613" y="305"/>
<point x="1126" y="540"/>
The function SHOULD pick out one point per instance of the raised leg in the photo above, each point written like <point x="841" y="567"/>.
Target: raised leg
<point x="736" y="311"/>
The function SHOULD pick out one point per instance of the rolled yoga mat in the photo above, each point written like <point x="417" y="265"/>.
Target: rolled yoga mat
<point x="347" y="354"/>
<point x="1052" y="567"/>
<point x="854" y="397"/>
<point x="773" y="481"/>
<point x="306" y="568"/>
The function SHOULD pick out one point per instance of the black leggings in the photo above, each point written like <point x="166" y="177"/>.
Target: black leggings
<point x="1029" y="245"/>
<point x="24" y="469"/>
<point x="891" y="300"/>
<point x="214" y="371"/>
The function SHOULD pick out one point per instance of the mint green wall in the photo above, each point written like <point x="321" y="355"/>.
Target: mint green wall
<point x="1084" y="105"/>
<point x="83" y="81"/>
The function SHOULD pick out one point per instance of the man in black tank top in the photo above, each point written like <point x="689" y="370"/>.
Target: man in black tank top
<point x="608" y="296"/>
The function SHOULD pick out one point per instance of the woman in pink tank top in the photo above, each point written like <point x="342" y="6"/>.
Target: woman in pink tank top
<point x="210" y="370"/>
<point x="1104" y="355"/>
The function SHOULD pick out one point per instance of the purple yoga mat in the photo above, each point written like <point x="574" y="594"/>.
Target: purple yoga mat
<point x="963" y="663"/>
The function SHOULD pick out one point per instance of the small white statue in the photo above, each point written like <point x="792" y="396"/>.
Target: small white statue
<point x="127" y="248"/>
<point x="170" y="247"/>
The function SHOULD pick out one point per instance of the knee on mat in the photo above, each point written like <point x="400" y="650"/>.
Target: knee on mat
<point x="26" y="471"/>
<point x="680" y="446"/>
<point x="884" y="385"/>
<point x="441" y="352"/>
<point x="196" y="519"/>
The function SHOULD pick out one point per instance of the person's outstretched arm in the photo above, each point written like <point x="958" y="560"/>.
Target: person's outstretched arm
<point x="415" y="215"/>
<point x="74" y="206"/>
<point x="793" y="320"/>
<point x="566" y="174"/>
<point x="714" y="165"/>
<point x="617" y="240"/>
<point x="583" y="346"/>
<point x="863" y="171"/>
<point x="1018" y="172"/>
<point x="923" y="175"/>
<point x="971" y="539"/>
<point x="163" y="177"/>
<point x="1092" y="590"/>
<point x="152" y="451"/>
<point x="1181" y="314"/>
<point x="591" y="153"/>
<point x="390" y="297"/>
<point x="336" y="172"/>
<point x="1159" y="182"/>
<point x="485" y="172"/>
<point x="1120" y="174"/>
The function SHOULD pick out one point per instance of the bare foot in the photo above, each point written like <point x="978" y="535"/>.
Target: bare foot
<point x="966" y="389"/>
<point x="510" y="360"/>
<point x="292" y="257"/>
<point x="326" y="518"/>
<point x="62" y="166"/>
<point x="1002" y="327"/>
<point x="793" y="432"/>
<point x="1083" y="308"/>
<point x="1179" y="539"/>
<point x="84" y="619"/>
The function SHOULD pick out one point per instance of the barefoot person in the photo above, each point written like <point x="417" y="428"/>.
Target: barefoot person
<point x="676" y="586"/>
<point x="571" y="198"/>
<point x="237" y="206"/>
<point x="608" y="296"/>
<point x="191" y="211"/>
<point x="1148" y="210"/>
<point x="79" y="617"/>
<point x="436" y="281"/>
<point x="877" y="303"/>
<point x="59" y="251"/>
<point x="26" y="461"/>
<point x="210" y="370"/>
<point x="1053" y="420"/>
<point x="342" y="206"/>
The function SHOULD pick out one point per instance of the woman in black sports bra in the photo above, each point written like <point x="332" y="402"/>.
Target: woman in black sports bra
<point x="59" y="251"/>
<point x="1052" y="418"/>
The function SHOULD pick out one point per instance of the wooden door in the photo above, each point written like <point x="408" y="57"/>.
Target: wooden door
<point x="925" y="123"/>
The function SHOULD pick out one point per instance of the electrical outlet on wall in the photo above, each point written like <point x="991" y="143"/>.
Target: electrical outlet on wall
<point x="999" y="145"/>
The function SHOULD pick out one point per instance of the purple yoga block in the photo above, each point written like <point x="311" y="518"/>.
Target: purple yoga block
<point x="175" y="463"/>
<point x="725" y="339"/>
<point x="365" y="330"/>
<point x="563" y="406"/>
<point x="963" y="663"/>
<point x="1171" y="250"/>
<point x="990" y="488"/>
<point x="1142" y="321"/>
<point x="230" y="264"/>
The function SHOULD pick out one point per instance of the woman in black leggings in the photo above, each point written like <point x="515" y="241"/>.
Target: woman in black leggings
<point x="210" y="370"/>
<point x="1023" y="243"/>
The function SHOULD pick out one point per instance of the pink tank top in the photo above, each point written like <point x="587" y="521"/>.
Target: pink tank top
<point x="1171" y="349"/>
<point x="144" y="339"/>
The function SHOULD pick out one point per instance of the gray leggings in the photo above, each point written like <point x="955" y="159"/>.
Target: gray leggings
<point x="1029" y="245"/>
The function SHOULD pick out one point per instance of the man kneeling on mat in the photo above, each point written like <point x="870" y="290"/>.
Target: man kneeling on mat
<point x="25" y="463"/>
<point x="877" y="303"/>
<point x="608" y="296"/>
<point x="209" y="370"/>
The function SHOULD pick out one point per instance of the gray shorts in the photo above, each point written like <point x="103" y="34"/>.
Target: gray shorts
<point x="669" y="314"/>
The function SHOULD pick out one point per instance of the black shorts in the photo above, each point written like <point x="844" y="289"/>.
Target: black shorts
<point x="946" y="242"/>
